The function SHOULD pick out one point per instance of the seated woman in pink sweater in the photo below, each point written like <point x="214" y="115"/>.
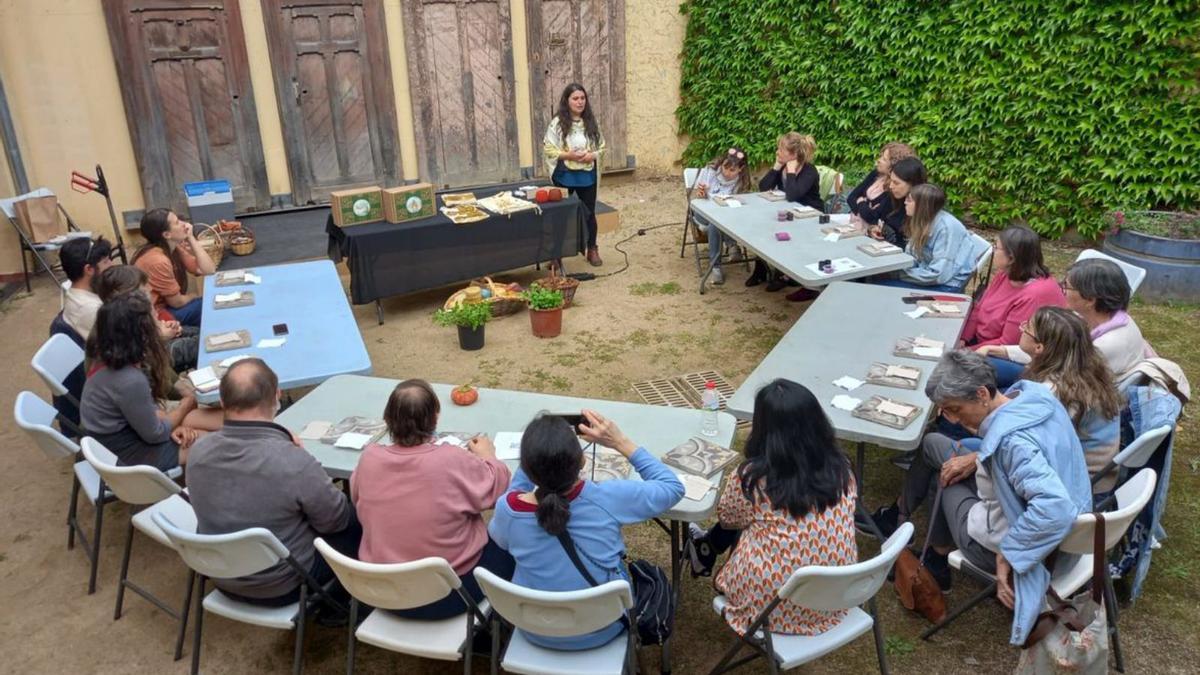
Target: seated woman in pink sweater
<point x="1020" y="286"/>
<point x="418" y="498"/>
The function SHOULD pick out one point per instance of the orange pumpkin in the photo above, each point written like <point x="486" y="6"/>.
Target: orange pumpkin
<point x="464" y="395"/>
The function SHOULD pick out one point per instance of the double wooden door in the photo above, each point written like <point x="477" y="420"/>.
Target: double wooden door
<point x="579" y="41"/>
<point x="188" y="101"/>
<point x="334" y="85"/>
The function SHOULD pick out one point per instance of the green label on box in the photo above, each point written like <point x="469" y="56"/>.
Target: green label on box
<point x="362" y="208"/>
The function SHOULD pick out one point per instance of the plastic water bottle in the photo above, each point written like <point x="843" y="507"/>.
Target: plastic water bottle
<point x="710" y="403"/>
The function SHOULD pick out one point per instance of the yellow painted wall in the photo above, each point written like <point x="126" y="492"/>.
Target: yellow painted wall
<point x="393" y="17"/>
<point x="654" y="31"/>
<point x="520" y="50"/>
<point x="262" y="79"/>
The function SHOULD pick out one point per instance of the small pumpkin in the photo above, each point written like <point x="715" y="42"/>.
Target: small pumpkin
<point x="464" y="395"/>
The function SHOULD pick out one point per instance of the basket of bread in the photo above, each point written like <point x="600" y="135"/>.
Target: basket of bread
<point x="505" y="299"/>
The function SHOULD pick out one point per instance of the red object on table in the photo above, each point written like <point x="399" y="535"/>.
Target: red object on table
<point x="541" y="196"/>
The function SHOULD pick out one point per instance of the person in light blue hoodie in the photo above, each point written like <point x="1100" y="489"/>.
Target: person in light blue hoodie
<point x="547" y="498"/>
<point x="1035" y="470"/>
<point x="944" y="250"/>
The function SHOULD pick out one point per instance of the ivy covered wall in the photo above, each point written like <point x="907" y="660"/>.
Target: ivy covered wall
<point x="1049" y="112"/>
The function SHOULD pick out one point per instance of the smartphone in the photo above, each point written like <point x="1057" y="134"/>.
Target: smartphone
<point x="914" y="299"/>
<point x="280" y="329"/>
<point x="574" y="419"/>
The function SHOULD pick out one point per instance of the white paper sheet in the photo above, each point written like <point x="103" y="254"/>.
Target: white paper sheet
<point x="897" y="409"/>
<point x="832" y="236"/>
<point x="313" y="431"/>
<point x="844" y="402"/>
<point x="695" y="488"/>
<point x="228" y="297"/>
<point x="918" y="312"/>
<point x="253" y="278"/>
<point x="223" y="338"/>
<point x="931" y="352"/>
<point x="204" y="379"/>
<point x="352" y="440"/>
<point x="267" y="343"/>
<point x="848" y="383"/>
<point x="508" y="445"/>
<point x="733" y="204"/>
<point x="839" y="265"/>
<point x="905" y="372"/>
<point x="922" y="341"/>
<point x="234" y="359"/>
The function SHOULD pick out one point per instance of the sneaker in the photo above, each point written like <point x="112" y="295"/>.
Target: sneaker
<point x="939" y="566"/>
<point x="700" y="552"/>
<point x="717" y="277"/>
<point x="803" y="295"/>
<point x="775" y="284"/>
<point x="887" y="519"/>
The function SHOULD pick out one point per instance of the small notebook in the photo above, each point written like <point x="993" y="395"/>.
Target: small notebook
<point x="205" y="379"/>
<point x="876" y="249"/>
<point x="235" y="278"/>
<point x="773" y="195"/>
<point x="804" y="212"/>
<point x="844" y="231"/>
<point x="893" y="375"/>
<point x="700" y="457"/>
<point x="233" y="299"/>
<point x="888" y="412"/>
<point x="372" y="428"/>
<point x="919" y="348"/>
<point x="943" y="310"/>
<point x="219" y="342"/>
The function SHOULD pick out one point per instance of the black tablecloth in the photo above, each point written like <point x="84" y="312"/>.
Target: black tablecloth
<point x="387" y="259"/>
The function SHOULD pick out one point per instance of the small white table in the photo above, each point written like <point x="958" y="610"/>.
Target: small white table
<point x="754" y="225"/>
<point x="323" y="339"/>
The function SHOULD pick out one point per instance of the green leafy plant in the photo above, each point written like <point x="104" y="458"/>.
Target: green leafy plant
<point x="1052" y="115"/>
<point x="466" y="314"/>
<point x="543" y="298"/>
<point x="1169" y="224"/>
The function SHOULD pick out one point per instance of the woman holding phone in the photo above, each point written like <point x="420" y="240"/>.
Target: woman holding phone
<point x="572" y="148"/>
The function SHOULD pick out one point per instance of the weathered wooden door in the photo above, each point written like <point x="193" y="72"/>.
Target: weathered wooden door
<point x="461" y="73"/>
<point x="579" y="41"/>
<point x="188" y="101"/>
<point x="334" y="85"/>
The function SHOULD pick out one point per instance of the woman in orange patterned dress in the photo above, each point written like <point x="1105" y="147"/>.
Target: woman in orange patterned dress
<point x="789" y="505"/>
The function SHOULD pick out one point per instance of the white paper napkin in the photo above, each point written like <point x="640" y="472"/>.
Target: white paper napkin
<point x="227" y="297"/>
<point x="927" y="351"/>
<point x="352" y="440"/>
<point x="253" y="278"/>
<point x="832" y="236"/>
<point x="695" y="488"/>
<point x="848" y="383"/>
<point x="844" y="402"/>
<point x="267" y="343"/>
<point x="918" y="312"/>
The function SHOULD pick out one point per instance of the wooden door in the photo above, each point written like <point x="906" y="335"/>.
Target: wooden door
<point x="579" y="41"/>
<point x="334" y="85"/>
<point x="461" y="75"/>
<point x="188" y="101"/>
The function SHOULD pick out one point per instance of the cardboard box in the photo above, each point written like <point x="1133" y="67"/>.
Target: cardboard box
<point x="356" y="206"/>
<point x="408" y="202"/>
<point x="608" y="219"/>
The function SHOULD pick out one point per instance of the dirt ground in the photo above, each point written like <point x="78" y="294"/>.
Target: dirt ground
<point x="645" y="322"/>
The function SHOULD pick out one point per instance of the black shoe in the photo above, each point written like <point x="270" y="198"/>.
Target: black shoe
<point x="939" y="566"/>
<point x="700" y="552"/>
<point x="790" y="281"/>
<point x="332" y="617"/>
<point x="758" y="276"/>
<point x="887" y="519"/>
<point x="775" y="284"/>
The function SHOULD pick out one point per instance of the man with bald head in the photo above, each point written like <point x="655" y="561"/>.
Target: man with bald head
<point x="252" y="473"/>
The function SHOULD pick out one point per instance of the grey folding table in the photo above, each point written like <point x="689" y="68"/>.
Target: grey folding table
<point x="847" y="328"/>
<point x="754" y="224"/>
<point x="656" y="428"/>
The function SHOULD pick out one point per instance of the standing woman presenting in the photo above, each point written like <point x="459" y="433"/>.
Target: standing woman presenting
<point x="572" y="149"/>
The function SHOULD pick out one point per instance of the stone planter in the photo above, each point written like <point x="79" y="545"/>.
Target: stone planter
<point x="1172" y="265"/>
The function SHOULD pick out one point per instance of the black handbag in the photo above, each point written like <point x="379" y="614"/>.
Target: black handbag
<point x="653" y="601"/>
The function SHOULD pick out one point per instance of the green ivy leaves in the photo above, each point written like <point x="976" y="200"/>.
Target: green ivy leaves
<point x="1042" y="111"/>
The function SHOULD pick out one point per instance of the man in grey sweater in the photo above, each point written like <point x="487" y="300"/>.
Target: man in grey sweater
<point x="253" y="473"/>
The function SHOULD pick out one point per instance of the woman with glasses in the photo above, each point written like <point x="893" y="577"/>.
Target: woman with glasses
<point x="726" y="174"/>
<point x="1064" y="359"/>
<point x="1021" y="284"/>
<point x="1098" y="291"/>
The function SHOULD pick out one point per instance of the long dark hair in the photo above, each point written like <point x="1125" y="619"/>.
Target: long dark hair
<point x="792" y="456"/>
<point x="928" y="200"/>
<point x="590" y="128"/>
<point x="126" y="335"/>
<point x="154" y="226"/>
<point x="1024" y="248"/>
<point x="912" y="171"/>
<point x="734" y="158"/>
<point x="552" y="458"/>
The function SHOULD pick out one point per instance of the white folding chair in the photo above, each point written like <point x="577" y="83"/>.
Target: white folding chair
<point x="239" y="554"/>
<point x="143" y="485"/>
<point x="983" y="261"/>
<point x="1137" y="453"/>
<point x="1131" y="498"/>
<point x="406" y="586"/>
<point x="560" y="614"/>
<point x="690" y="175"/>
<point x="821" y="588"/>
<point x="36" y="416"/>
<point x="8" y="207"/>
<point x="1133" y="273"/>
<point x="53" y="362"/>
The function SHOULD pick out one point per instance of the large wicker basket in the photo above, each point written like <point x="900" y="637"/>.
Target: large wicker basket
<point x="504" y="299"/>
<point x="211" y="240"/>
<point x="556" y="282"/>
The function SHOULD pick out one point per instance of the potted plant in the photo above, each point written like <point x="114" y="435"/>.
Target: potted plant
<point x="1164" y="243"/>
<point x="470" y="318"/>
<point x="545" y="311"/>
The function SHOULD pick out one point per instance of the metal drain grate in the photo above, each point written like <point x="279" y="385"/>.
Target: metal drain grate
<point x="684" y="391"/>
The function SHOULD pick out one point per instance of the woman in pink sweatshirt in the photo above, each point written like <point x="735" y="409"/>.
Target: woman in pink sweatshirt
<point x="418" y="498"/>
<point x="1020" y="286"/>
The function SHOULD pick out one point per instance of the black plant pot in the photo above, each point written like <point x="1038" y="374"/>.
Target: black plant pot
<point x="470" y="340"/>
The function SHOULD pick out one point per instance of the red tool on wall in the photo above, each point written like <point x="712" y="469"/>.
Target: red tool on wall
<point x="84" y="184"/>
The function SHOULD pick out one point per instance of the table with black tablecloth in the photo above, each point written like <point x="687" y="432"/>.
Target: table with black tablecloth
<point x="388" y="259"/>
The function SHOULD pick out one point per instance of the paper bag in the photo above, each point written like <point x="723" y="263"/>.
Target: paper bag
<point x="38" y="217"/>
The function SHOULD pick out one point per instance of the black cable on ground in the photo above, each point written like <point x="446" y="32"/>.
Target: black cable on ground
<point x="588" y="276"/>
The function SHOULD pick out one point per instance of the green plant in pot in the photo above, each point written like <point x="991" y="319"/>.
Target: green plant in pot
<point x="470" y="318"/>
<point x="545" y="311"/>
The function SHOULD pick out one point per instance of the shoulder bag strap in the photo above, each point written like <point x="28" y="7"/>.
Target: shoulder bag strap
<point x="569" y="546"/>
<point x="1098" y="559"/>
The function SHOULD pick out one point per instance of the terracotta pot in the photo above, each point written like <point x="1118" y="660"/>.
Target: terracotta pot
<point x="470" y="340"/>
<point x="546" y="323"/>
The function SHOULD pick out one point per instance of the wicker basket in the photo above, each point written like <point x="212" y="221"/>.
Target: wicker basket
<point x="555" y="282"/>
<point x="503" y="299"/>
<point x="242" y="242"/>
<point x="212" y="242"/>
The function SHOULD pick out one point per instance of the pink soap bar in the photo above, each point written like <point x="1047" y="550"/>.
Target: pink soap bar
<point x="783" y="236"/>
